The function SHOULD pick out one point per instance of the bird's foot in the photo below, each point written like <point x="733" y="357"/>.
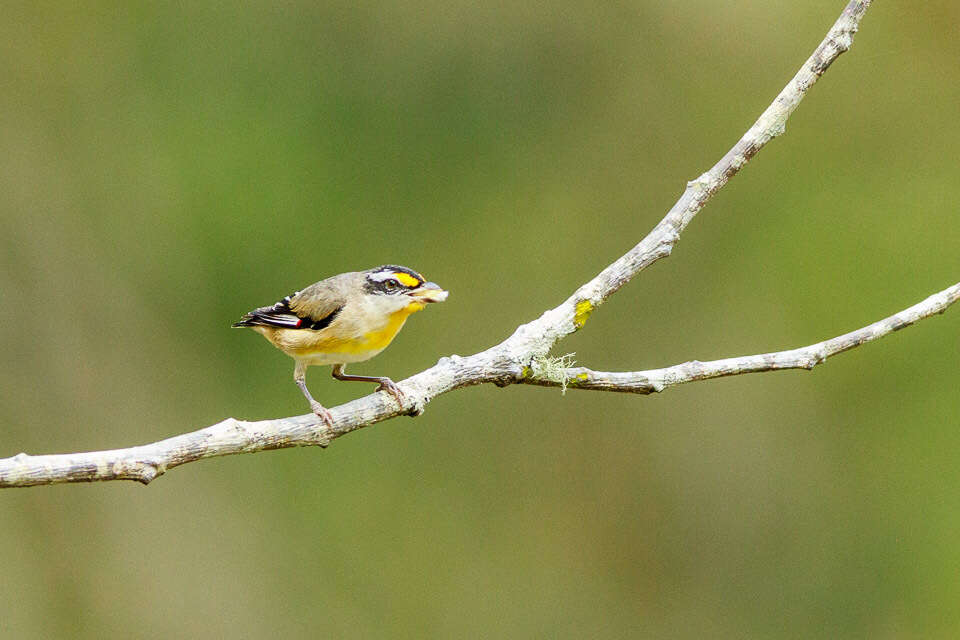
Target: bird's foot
<point x="323" y="413"/>
<point x="388" y="385"/>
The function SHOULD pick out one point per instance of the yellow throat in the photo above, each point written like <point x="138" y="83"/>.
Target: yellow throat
<point x="380" y="338"/>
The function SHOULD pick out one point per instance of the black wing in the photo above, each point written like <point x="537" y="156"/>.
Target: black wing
<point x="281" y="315"/>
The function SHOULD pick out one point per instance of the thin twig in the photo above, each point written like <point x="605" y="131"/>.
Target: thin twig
<point x="656" y="380"/>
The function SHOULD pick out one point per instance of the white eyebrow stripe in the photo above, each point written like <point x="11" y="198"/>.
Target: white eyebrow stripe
<point x="380" y="276"/>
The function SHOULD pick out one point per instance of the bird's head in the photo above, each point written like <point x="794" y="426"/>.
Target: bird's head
<point x="401" y="288"/>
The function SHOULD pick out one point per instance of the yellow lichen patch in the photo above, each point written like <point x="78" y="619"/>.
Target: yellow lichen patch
<point x="582" y="313"/>
<point x="583" y="376"/>
<point x="406" y="279"/>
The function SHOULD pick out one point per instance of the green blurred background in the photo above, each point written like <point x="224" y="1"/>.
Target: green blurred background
<point x="167" y="166"/>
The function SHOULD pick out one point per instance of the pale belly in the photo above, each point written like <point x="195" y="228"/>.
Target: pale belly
<point x="319" y="358"/>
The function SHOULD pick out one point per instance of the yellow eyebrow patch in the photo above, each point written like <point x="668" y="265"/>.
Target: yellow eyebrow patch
<point x="406" y="279"/>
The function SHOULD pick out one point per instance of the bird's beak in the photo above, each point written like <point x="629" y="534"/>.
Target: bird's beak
<point x="429" y="292"/>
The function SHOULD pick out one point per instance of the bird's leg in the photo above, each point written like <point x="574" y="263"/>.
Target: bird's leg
<point x="299" y="376"/>
<point x="385" y="384"/>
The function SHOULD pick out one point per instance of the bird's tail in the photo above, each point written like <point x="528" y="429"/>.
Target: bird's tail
<point x="277" y="315"/>
<point x="246" y="321"/>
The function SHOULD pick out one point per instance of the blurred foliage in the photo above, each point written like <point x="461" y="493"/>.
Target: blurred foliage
<point x="167" y="166"/>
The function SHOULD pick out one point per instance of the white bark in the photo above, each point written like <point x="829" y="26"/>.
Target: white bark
<point x="510" y="361"/>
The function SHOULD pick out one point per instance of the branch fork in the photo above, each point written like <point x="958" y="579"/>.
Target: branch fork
<point x="522" y="357"/>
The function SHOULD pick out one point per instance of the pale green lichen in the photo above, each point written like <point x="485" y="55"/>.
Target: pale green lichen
<point x="582" y="313"/>
<point x="553" y="369"/>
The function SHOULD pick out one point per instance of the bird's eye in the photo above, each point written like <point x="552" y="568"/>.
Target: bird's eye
<point x="391" y="285"/>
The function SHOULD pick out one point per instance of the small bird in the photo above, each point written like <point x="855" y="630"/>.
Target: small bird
<point x="348" y="318"/>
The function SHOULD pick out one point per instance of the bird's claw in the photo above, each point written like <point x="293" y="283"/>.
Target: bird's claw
<point x="391" y="387"/>
<point x="323" y="413"/>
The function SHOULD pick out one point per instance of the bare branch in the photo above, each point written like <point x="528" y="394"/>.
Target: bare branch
<point x="502" y="364"/>
<point x="656" y="380"/>
<point x="538" y="337"/>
